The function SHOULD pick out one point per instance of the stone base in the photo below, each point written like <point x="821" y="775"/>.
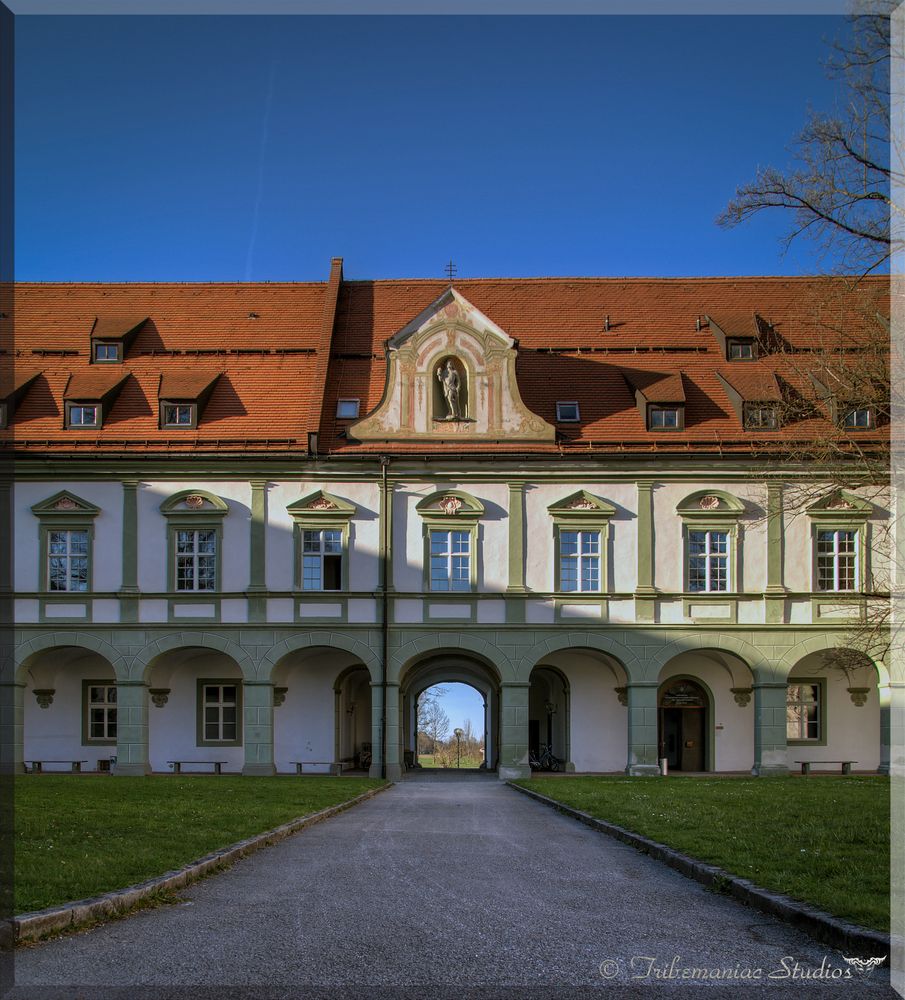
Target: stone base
<point x="259" y="770"/>
<point x="130" y="770"/>
<point x="394" y="772"/>
<point x="569" y="767"/>
<point x="643" y="770"/>
<point x="770" y="771"/>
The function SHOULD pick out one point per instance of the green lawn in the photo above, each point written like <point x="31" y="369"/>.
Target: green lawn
<point x="430" y="760"/>
<point x="79" y="836"/>
<point x="821" y="840"/>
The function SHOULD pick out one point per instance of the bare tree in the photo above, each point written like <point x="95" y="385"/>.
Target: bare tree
<point x="433" y="721"/>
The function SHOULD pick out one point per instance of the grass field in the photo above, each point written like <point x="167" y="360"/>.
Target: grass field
<point x="821" y="840"/>
<point x="79" y="836"/>
<point x="429" y="760"/>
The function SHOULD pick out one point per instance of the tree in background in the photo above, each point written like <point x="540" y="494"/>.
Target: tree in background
<point x="433" y="722"/>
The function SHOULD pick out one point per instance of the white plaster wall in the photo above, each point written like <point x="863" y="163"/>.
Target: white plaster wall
<point x="734" y="743"/>
<point x="172" y="729"/>
<point x="56" y="732"/>
<point x="107" y="557"/>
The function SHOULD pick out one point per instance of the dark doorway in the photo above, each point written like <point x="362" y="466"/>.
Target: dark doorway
<point x="683" y="726"/>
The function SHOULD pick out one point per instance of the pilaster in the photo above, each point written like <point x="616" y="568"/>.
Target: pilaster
<point x="514" y="732"/>
<point x="642" y="729"/>
<point x="258" y="727"/>
<point x="128" y="596"/>
<point x="257" y="585"/>
<point x="12" y="728"/>
<point x="645" y="591"/>
<point x="771" y="752"/>
<point x="776" y="591"/>
<point x="131" y="729"/>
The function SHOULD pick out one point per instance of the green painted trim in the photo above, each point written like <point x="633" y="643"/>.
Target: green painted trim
<point x="581" y="506"/>
<point x="302" y="525"/>
<point x="843" y="598"/>
<point x="821" y="741"/>
<point x="711" y="598"/>
<point x="775" y="532"/>
<point x="86" y="598"/>
<point x="727" y="507"/>
<point x="442" y="597"/>
<point x="323" y="597"/>
<point x="48" y="508"/>
<point x="193" y="597"/>
<point x="130" y="536"/>
<point x="840" y="505"/>
<point x="732" y="529"/>
<point x="199" y="712"/>
<point x="450" y="524"/>
<point x="191" y="524"/>
<point x="581" y="598"/>
<point x="258" y="536"/>
<point x="471" y="508"/>
<point x="64" y="524"/>
<point x="862" y="555"/>
<point x="173" y="506"/>
<point x="86" y="738"/>
<point x="331" y="508"/>
<point x="516" y="538"/>
<point x="645" y="585"/>
<point x="711" y="714"/>
<point x="566" y="524"/>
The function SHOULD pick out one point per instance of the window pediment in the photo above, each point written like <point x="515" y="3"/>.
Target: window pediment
<point x="582" y="505"/>
<point x="450" y="506"/>
<point x="65" y="504"/>
<point x="710" y="504"/>
<point x="840" y="504"/>
<point x="321" y="506"/>
<point x="194" y="502"/>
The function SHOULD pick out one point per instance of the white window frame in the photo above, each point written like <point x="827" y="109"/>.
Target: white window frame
<point x="80" y="408"/>
<point x="851" y="411"/>
<point x="351" y="403"/>
<point x="561" y="418"/>
<point x="195" y="555"/>
<point x="219" y="705"/>
<point x="191" y="409"/>
<point x="654" y="408"/>
<point x="752" y="408"/>
<point x="318" y="556"/>
<point x="836" y="555"/>
<point x="710" y="556"/>
<point x="819" y="703"/>
<point x="117" y="356"/>
<point x="581" y="559"/>
<point x="738" y="344"/>
<point x="455" y="585"/>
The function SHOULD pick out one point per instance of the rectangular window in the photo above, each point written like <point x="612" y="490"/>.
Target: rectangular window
<point x="67" y="560"/>
<point x="803" y="721"/>
<point x="837" y="560"/>
<point x="450" y="561"/>
<point x="196" y="559"/>
<point x="101" y="709"/>
<point x="220" y="708"/>
<point x="760" y="416"/>
<point x="347" y="409"/>
<point x="579" y="561"/>
<point x="663" y="418"/>
<point x="322" y="559"/>
<point x="83" y="415"/>
<point x="106" y="352"/>
<point x="567" y="413"/>
<point x="708" y="561"/>
<point x="741" y="350"/>
<point x="178" y="414"/>
<point x="857" y="418"/>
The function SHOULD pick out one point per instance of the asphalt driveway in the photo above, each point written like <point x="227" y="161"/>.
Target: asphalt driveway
<point x="457" y="887"/>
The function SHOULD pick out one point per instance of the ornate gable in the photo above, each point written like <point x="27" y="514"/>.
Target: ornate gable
<point x="451" y="375"/>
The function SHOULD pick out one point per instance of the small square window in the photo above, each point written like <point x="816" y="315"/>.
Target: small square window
<point x="178" y="414"/>
<point x="567" y="413"/>
<point x="741" y="350"/>
<point x="664" y="418"/>
<point x="83" y="415"/>
<point x="857" y="418"/>
<point x="760" y="416"/>
<point x="347" y="409"/>
<point x="106" y="352"/>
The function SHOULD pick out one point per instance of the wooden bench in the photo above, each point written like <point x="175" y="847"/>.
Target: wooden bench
<point x="806" y="765"/>
<point x="37" y="766"/>
<point x="300" y="765"/>
<point x="178" y="764"/>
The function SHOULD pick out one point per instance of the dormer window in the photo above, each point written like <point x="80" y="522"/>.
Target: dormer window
<point x="665" y="418"/>
<point x="347" y="409"/>
<point x="179" y="415"/>
<point x="857" y="418"/>
<point x="760" y="416"/>
<point x="740" y="350"/>
<point x="83" y="415"/>
<point x="107" y="353"/>
<point x="567" y="413"/>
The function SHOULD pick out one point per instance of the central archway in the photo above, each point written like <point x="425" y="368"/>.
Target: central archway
<point x="449" y="667"/>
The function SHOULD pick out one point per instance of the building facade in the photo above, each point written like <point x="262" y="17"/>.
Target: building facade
<point x="254" y="522"/>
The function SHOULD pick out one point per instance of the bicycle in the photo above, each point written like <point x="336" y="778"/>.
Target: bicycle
<point x="546" y="761"/>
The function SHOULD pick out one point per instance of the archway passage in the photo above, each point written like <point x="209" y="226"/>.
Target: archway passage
<point x="684" y="725"/>
<point x="451" y="671"/>
<point x="549" y="728"/>
<point x="450" y="721"/>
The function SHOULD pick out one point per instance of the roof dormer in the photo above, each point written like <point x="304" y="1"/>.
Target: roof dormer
<point x="182" y="397"/>
<point x="111" y="338"/>
<point x="89" y="396"/>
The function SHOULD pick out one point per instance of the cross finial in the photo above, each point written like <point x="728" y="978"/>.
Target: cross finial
<point x="451" y="271"/>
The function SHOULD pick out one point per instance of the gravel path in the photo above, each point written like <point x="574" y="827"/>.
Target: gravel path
<point x="441" y="887"/>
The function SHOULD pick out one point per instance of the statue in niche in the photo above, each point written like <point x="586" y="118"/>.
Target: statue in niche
<point x="451" y="383"/>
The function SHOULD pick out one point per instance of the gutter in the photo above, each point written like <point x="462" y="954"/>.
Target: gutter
<point x="385" y="606"/>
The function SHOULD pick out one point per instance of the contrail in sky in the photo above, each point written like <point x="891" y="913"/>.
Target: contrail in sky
<point x="265" y="126"/>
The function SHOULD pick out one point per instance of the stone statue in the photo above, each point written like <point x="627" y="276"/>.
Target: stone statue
<point x="449" y="379"/>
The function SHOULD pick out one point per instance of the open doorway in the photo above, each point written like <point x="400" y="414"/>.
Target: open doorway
<point x="450" y="726"/>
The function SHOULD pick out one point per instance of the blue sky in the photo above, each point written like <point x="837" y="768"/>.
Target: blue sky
<point x="231" y="148"/>
<point x="461" y="702"/>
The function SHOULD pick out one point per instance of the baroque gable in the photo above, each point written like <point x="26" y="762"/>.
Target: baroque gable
<point x="451" y="374"/>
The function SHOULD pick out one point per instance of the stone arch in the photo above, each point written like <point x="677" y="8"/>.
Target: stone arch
<point x="709" y="756"/>
<point x="450" y="643"/>
<point x="821" y="643"/>
<point x="334" y="640"/>
<point x="601" y="642"/>
<point x="752" y="657"/>
<point x="25" y="653"/>
<point x="144" y="659"/>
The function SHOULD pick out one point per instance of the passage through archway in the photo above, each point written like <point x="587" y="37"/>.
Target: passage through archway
<point x="684" y="712"/>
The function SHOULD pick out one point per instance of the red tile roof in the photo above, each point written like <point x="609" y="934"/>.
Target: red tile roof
<point x="286" y="352"/>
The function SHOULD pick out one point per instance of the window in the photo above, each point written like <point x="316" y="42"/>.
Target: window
<point x="837" y="559"/>
<point x="567" y="413"/>
<point x="83" y="415"/>
<point x="100" y="712"/>
<point x="67" y="560"/>
<point x="196" y="559"/>
<point x="220" y="713"/>
<point x="450" y="560"/>
<point x="663" y="418"/>
<point x="106" y="352"/>
<point x="347" y="409"/>
<point x="322" y="559"/>
<point x="804" y="715"/>
<point x="178" y="414"/>
<point x="579" y="561"/>
<point x="708" y="561"/>
<point x="740" y="350"/>
<point x="760" y="416"/>
<point x="857" y="418"/>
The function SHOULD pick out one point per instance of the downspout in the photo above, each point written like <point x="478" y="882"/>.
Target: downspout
<point x="385" y="605"/>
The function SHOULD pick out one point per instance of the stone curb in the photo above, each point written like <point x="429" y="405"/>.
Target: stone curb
<point x="31" y="926"/>
<point x="850" y="939"/>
